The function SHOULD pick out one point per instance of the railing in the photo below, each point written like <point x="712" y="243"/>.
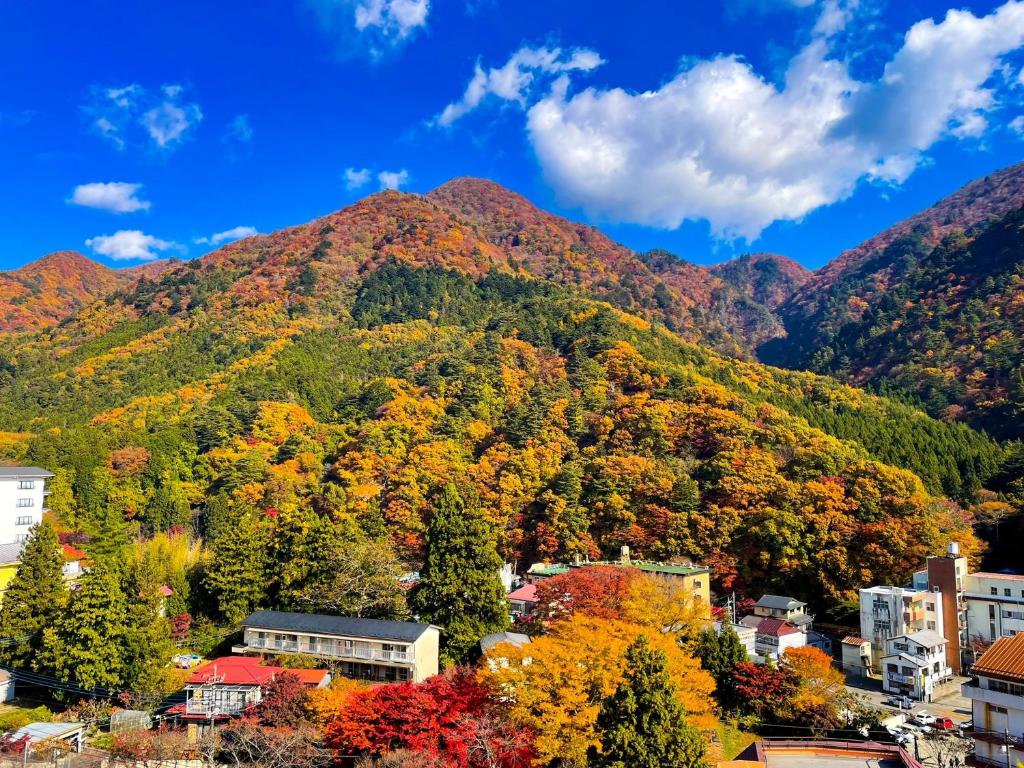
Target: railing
<point x="332" y="650"/>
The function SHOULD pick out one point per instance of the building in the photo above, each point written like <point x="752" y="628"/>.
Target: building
<point x="36" y="735"/>
<point x="995" y="606"/>
<point x="22" y="501"/>
<point x="517" y="639"/>
<point x="887" y="612"/>
<point x="780" y="607"/>
<point x="821" y="753"/>
<point x="747" y="635"/>
<point x="10" y="555"/>
<point x="366" y="649"/>
<point x="73" y="558"/>
<point x="695" y="577"/>
<point x="914" y="664"/>
<point x="523" y="601"/>
<point x="772" y="637"/>
<point x="997" y="702"/>
<point x="947" y="574"/>
<point x="228" y="686"/>
<point x="856" y="656"/>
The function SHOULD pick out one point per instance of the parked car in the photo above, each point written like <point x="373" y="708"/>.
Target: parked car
<point x="901" y="736"/>
<point x="966" y="727"/>
<point x="903" y="702"/>
<point x="924" y="720"/>
<point x="943" y="724"/>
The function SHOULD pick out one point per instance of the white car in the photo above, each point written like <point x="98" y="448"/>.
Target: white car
<point x="923" y="719"/>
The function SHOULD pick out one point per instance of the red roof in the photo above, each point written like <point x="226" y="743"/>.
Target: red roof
<point x="526" y="593"/>
<point x="72" y="554"/>
<point x="247" y="670"/>
<point x="776" y="627"/>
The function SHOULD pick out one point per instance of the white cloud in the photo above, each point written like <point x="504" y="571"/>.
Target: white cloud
<point x="113" y="196"/>
<point x="129" y="245"/>
<point x="227" y="236"/>
<point x="133" y="115"/>
<point x="722" y="143"/>
<point x="393" y="179"/>
<point x="374" y="26"/>
<point x="512" y="80"/>
<point x="1017" y="125"/>
<point x="356" y="178"/>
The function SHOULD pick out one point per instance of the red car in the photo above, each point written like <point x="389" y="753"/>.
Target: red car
<point x="943" y="724"/>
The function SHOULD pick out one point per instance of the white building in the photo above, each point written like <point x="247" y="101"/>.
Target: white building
<point x="888" y="612"/>
<point x="747" y="636"/>
<point x="772" y="637"/>
<point x="914" y="664"/>
<point x="22" y="501"/>
<point x="363" y="649"/>
<point x="997" y="702"/>
<point x="995" y="606"/>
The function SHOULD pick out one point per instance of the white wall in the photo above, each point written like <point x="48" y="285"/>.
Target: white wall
<point x="15" y="520"/>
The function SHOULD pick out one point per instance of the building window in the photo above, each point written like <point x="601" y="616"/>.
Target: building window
<point x="26" y="485"/>
<point x="20" y="537"/>
<point x="993" y="591"/>
<point x="26" y="503"/>
<point x="23" y="520"/>
<point x="991" y="612"/>
<point x="1006" y="592"/>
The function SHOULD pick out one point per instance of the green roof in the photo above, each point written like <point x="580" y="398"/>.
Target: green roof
<point x="649" y="567"/>
<point x="677" y="570"/>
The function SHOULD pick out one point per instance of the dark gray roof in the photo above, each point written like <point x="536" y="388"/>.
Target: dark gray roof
<point x="779" y="602"/>
<point x="347" y="626"/>
<point x="11" y="553"/>
<point x="8" y="472"/>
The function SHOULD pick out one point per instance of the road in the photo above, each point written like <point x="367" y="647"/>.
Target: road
<point x="950" y="703"/>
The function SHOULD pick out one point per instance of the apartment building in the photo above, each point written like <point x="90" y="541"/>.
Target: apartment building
<point x="362" y="649"/>
<point x="995" y="606"/>
<point x="914" y="664"/>
<point x="997" y="701"/>
<point x="22" y="501"/>
<point x="887" y="612"/>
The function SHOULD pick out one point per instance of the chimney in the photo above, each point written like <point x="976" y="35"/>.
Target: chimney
<point x="953" y="550"/>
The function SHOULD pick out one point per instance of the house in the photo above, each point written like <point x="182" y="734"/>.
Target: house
<point x="856" y="656"/>
<point x="35" y="735"/>
<point x="915" y="664"/>
<point x="73" y="558"/>
<point x="228" y="686"/>
<point x="365" y="649"/>
<point x="997" y="702"/>
<point x="821" y="753"/>
<point x="747" y="635"/>
<point x="772" y="637"/>
<point x="10" y="557"/>
<point x="22" y="501"/>
<point x="779" y="607"/>
<point x="696" y="577"/>
<point x="523" y="601"/>
<point x="498" y="638"/>
<point x="887" y="612"/>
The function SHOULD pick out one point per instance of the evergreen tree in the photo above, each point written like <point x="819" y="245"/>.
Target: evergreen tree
<point x="86" y="644"/>
<point x="643" y="724"/>
<point x="719" y="654"/>
<point x="235" y="575"/>
<point x="147" y="642"/>
<point x="35" y="597"/>
<point x="460" y="590"/>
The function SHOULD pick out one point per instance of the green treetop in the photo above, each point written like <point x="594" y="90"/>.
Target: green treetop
<point x="461" y="589"/>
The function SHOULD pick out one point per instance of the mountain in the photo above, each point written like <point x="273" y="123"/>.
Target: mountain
<point x="929" y="310"/>
<point x="767" y="278"/>
<point x="344" y="369"/>
<point x="46" y="291"/>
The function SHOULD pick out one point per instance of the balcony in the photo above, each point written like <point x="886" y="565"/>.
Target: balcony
<point x="275" y="645"/>
<point x="973" y="690"/>
<point x="330" y="650"/>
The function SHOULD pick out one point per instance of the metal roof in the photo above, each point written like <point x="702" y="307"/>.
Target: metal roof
<point x="346" y="626"/>
<point x="29" y="472"/>
<point x="44" y="731"/>
<point x="513" y="638"/>
<point x="779" y="602"/>
<point x="1005" y="659"/>
<point x="11" y="553"/>
<point x="926" y="637"/>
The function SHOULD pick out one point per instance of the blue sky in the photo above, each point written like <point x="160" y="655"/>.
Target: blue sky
<point x="132" y="131"/>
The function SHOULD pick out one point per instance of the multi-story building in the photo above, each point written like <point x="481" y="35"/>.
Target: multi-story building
<point x="696" y="577"/>
<point x="22" y="501"/>
<point x="947" y="574"/>
<point x="995" y="606"/>
<point x="997" y="701"/>
<point x="365" y="649"/>
<point x="914" y="664"/>
<point x="747" y="635"/>
<point x="887" y="612"/>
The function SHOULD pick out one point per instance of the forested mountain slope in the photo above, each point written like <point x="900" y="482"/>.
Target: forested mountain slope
<point x="767" y="278"/>
<point x="339" y="371"/>
<point x="52" y="288"/>
<point x="930" y="310"/>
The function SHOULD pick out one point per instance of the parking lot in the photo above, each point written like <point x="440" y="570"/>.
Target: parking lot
<point x="949" y="703"/>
